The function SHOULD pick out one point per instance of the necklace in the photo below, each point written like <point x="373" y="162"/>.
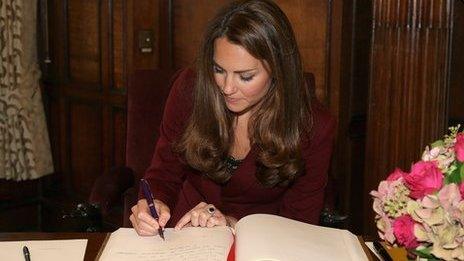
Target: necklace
<point x="231" y="163"/>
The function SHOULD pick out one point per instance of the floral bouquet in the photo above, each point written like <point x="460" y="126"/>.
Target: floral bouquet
<point x="423" y="210"/>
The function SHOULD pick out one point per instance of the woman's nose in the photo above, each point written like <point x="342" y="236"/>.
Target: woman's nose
<point x="228" y="87"/>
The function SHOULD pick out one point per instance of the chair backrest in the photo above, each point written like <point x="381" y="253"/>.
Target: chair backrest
<point x="146" y="96"/>
<point x="310" y="81"/>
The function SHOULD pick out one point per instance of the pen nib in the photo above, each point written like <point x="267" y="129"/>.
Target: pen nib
<point x="161" y="233"/>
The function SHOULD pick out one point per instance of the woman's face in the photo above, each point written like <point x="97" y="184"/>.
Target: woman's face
<point x="242" y="78"/>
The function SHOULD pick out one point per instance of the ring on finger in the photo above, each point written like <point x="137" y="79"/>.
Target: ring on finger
<point x="211" y="209"/>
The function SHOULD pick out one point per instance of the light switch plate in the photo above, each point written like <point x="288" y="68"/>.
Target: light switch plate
<point x="146" y="41"/>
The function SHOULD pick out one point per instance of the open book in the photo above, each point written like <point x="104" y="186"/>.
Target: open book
<point x="257" y="237"/>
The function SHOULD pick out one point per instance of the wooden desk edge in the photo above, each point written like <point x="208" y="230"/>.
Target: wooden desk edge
<point x="367" y="251"/>
<point x="102" y="247"/>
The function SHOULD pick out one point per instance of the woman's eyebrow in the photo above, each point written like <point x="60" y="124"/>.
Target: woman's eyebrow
<point x="240" y="71"/>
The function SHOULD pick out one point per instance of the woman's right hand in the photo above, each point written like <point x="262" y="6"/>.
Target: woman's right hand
<point x="144" y="223"/>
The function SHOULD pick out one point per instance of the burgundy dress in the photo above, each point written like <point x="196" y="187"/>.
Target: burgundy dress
<point x="182" y="188"/>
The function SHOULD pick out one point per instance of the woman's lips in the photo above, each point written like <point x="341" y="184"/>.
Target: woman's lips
<point x="232" y="100"/>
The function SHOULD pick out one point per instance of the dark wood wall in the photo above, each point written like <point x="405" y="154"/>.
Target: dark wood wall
<point x="93" y="47"/>
<point x="456" y="83"/>
<point x="85" y="88"/>
<point x="410" y="74"/>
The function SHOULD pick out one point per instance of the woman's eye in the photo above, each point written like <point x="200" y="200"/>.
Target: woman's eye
<point x="217" y="70"/>
<point x="246" y="78"/>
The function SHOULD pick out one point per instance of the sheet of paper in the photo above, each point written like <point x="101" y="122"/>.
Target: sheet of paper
<point x="193" y="244"/>
<point x="268" y="237"/>
<point x="50" y="250"/>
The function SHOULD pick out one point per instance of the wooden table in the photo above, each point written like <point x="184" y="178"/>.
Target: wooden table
<point x="95" y="240"/>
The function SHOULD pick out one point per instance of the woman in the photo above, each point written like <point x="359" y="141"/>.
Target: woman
<point x="241" y="135"/>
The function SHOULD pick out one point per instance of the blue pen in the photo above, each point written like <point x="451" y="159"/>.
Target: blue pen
<point x="151" y="203"/>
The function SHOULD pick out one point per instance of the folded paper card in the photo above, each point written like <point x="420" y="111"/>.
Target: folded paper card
<point x="257" y="237"/>
<point x="50" y="250"/>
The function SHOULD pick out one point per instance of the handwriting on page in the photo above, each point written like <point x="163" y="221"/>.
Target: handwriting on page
<point x="191" y="243"/>
<point x="193" y="252"/>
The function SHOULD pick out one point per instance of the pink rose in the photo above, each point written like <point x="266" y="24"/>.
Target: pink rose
<point x="396" y="174"/>
<point x="424" y="179"/>
<point x="459" y="147"/>
<point x="403" y="229"/>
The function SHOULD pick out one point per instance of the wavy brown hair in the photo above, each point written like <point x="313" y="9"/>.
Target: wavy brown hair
<point x="284" y="114"/>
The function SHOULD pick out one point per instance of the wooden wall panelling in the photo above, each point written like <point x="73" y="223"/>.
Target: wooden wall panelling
<point x="108" y="92"/>
<point x="143" y="15"/>
<point x="335" y="17"/>
<point x="118" y="156"/>
<point x="129" y="36"/>
<point x="456" y="94"/>
<point x="84" y="46"/>
<point x="118" y="31"/>
<point x="338" y="172"/>
<point x="353" y="91"/>
<point x="331" y="94"/>
<point x="408" y="86"/>
<point x="88" y="85"/>
<point x="166" y="34"/>
<point x="346" y="100"/>
<point x="88" y="64"/>
<point x="52" y="74"/>
<point x="187" y="35"/>
<point x="85" y="139"/>
<point x="86" y="80"/>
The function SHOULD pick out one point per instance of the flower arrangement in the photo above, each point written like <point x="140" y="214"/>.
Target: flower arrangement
<point x="423" y="210"/>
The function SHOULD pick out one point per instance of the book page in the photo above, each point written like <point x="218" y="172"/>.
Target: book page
<point x="191" y="243"/>
<point x="52" y="250"/>
<point x="269" y="237"/>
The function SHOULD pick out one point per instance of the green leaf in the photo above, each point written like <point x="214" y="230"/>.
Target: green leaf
<point x="425" y="253"/>
<point x="451" y="168"/>
<point x="438" y="143"/>
<point x="461" y="172"/>
<point x="454" y="177"/>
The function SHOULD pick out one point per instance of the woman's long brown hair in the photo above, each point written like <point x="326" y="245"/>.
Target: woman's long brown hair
<point x="276" y="127"/>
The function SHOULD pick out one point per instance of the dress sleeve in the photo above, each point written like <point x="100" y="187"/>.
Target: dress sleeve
<point x="166" y="171"/>
<point x="304" y="200"/>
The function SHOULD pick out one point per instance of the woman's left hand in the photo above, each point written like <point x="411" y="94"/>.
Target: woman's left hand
<point x="203" y="215"/>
